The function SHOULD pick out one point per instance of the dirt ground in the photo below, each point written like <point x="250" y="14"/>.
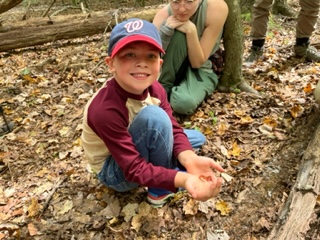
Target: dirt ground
<point x="46" y="192"/>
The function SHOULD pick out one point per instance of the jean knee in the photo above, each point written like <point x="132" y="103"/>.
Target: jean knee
<point x="153" y="115"/>
<point x="195" y="137"/>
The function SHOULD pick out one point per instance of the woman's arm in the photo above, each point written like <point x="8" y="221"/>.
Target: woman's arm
<point x="161" y="16"/>
<point x="199" y="50"/>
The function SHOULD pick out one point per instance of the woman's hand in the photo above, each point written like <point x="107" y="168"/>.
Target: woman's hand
<point x="173" y="22"/>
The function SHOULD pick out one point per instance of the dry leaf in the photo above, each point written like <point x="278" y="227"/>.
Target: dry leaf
<point x="64" y="131"/>
<point x="32" y="229"/>
<point x="222" y="129"/>
<point x="191" y="207"/>
<point x="224" y="151"/>
<point x="217" y="235"/>
<point x="269" y="121"/>
<point x="296" y="111"/>
<point x="246" y="120"/>
<point x="223" y="208"/>
<point x="34" y="207"/>
<point x="67" y="206"/>
<point x="136" y="222"/>
<point x="308" y="89"/>
<point x="236" y="150"/>
<point x="129" y="211"/>
<point x="226" y="177"/>
<point x="239" y="113"/>
<point x="112" y="210"/>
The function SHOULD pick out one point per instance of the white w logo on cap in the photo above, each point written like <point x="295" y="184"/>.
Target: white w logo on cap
<point x="133" y="26"/>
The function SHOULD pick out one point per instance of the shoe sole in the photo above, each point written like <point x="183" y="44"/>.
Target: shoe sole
<point x="159" y="201"/>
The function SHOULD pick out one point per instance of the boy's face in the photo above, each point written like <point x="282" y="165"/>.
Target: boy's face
<point x="136" y="66"/>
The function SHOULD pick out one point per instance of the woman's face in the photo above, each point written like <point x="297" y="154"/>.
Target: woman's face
<point x="184" y="9"/>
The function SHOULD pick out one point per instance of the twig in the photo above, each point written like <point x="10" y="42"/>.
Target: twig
<point x="98" y="64"/>
<point x="116" y="15"/>
<point x="52" y="3"/>
<point x="66" y="66"/>
<point x="63" y="9"/>
<point x="44" y="62"/>
<point x="83" y="8"/>
<point x="46" y="204"/>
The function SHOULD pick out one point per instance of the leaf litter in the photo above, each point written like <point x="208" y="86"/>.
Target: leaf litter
<point x="47" y="193"/>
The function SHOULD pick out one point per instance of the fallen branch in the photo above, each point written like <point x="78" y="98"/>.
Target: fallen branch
<point x="54" y="189"/>
<point x="39" y="30"/>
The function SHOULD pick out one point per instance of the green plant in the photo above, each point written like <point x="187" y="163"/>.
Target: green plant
<point x="213" y="118"/>
<point x="246" y="17"/>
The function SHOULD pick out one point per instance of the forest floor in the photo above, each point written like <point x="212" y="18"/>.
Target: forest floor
<point x="47" y="193"/>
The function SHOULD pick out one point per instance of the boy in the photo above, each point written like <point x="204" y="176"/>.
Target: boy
<point x="130" y="137"/>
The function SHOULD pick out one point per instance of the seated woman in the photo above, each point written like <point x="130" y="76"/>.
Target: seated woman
<point x="190" y="31"/>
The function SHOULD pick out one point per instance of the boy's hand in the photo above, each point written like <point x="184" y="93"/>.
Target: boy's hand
<point x="203" y="188"/>
<point x="199" y="165"/>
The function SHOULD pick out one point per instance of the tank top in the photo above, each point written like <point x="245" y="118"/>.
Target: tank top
<point x="199" y="20"/>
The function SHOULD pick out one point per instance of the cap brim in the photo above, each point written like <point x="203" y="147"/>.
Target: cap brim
<point x="134" y="38"/>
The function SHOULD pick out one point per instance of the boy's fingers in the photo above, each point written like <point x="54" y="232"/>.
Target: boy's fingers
<point x="216" y="166"/>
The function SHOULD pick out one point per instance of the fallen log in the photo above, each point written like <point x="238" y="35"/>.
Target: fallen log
<point x="43" y="30"/>
<point x="5" y="5"/>
<point x="296" y="214"/>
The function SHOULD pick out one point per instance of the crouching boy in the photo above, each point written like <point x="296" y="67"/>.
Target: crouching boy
<point x="130" y="137"/>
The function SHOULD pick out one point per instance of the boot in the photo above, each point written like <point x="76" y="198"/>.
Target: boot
<point x="255" y="54"/>
<point x="305" y="50"/>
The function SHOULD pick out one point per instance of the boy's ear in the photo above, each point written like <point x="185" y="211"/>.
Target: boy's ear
<point x="109" y="62"/>
<point x="161" y="61"/>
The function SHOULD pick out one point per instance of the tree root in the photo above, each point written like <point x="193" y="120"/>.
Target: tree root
<point x="242" y="86"/>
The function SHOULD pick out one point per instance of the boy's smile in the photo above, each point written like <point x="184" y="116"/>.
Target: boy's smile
<point x="136" y="66"/>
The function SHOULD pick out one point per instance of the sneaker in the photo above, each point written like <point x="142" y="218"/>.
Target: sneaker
<point x="305" y="50"/>
<point x="158" y="197"/>
<point x="255" y="54"/>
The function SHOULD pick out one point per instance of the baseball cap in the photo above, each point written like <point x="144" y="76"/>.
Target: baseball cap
<point x="132" y="30"/>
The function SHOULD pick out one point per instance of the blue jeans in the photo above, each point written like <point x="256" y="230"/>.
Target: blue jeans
<point x="152" y="135"/>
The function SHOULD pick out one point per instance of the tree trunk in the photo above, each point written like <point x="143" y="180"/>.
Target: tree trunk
<point x="231" y="79"/>
<point x="5" y="5"/>
<point x="233" y="45"/>
<point x="42" y="30"/>
<point x="294" y="219"/>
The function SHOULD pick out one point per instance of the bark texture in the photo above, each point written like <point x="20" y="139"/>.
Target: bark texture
<point x="297" y="213"/>
<point x="42" y="30"/>
<point x="233" y="45"/>
<point x="5" y="5"/>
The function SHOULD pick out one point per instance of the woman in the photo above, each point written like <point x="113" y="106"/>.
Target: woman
<point x="190" y="31"/>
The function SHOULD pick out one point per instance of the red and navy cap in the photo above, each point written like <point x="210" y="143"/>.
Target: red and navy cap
<point x="133" y="30"/>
